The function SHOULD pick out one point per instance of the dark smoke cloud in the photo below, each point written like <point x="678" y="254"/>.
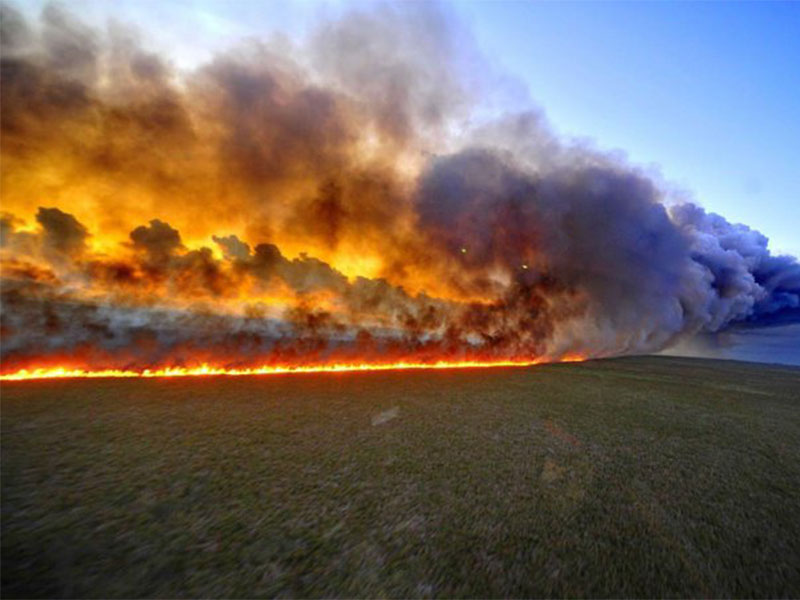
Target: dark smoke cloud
<point x="158" y="240"/>
<point x="501" y="242"/>
<point x="61" y="232"/>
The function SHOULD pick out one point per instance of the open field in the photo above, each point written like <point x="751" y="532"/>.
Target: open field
<point x="628" y="477"/>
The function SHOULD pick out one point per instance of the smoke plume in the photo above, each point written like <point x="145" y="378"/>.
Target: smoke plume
<point x="334" y="199"/>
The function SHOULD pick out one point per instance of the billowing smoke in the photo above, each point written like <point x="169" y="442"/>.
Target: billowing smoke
<point x="329" y="201"/>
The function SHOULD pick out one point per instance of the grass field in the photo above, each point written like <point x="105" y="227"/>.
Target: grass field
<point x="628" y="477"/>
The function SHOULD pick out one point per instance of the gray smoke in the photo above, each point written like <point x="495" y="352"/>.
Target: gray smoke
<point x="538" y="247"/>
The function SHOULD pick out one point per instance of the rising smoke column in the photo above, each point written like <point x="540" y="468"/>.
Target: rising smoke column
<point x="304" y="203"/>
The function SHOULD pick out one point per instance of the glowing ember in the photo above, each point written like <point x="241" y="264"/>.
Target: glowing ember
<point x="207" y="370"/>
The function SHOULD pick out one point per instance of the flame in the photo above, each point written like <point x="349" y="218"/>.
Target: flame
<point x="256" y="216"/>
<point x="208" y="370"/>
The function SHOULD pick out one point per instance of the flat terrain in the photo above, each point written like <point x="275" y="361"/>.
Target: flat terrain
<point x="628" y="477"/>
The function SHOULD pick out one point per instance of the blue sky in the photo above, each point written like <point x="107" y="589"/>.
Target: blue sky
<point x="709" y="93"/>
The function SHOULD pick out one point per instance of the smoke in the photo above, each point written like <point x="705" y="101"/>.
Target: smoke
<point x="328" y="200"/>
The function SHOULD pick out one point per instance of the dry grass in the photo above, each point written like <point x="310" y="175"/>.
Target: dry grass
<point x="630" y="477"/>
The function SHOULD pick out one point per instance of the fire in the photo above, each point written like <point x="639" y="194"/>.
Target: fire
<point x="313" y="211"/>
<point x="259" y="215"/>
<point x="208" y="370"/>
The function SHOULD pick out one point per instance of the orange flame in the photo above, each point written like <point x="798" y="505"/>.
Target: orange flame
<point x="208" y="370"/>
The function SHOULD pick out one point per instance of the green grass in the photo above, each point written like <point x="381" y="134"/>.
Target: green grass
<point x="629" y="477"/>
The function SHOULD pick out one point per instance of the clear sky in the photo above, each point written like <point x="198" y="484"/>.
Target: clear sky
<point x="707" y="91"/>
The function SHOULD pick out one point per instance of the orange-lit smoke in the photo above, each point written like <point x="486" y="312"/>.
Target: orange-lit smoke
<point x="328" y="203"/>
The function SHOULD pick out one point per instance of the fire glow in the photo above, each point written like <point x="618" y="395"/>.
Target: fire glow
<point x="327" y="209"/>
<point x="206" y="370"/>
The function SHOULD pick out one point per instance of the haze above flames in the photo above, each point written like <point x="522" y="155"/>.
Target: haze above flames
<point x="333" y="200"/>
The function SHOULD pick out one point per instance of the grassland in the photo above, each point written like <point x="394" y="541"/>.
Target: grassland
<point x="629" y="477"/>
